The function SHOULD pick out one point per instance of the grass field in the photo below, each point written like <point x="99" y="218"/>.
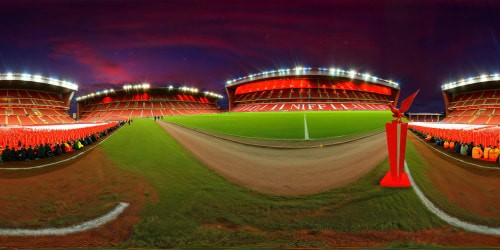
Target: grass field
<point x="191" y="197"/>
<point x="288" y="125"/>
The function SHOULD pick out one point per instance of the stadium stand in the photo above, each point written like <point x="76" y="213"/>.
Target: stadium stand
<point x="473" y="101"/>
<point x="302" y="89"/>
<point x="424" y="117"/>
<point x="28" y="143"/>
<point x="482" y="136"/>
<point x="143" y="101"/>
<point x="27" y="100"/>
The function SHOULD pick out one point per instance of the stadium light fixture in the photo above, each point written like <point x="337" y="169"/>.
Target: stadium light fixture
<point x="471" y="80"/>
<point x="37" y="78"/>
<point x="332" y="71"/>
<point x="352" y="73"/>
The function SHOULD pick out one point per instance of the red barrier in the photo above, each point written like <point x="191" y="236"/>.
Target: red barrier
<point x="28" y="136"/>
<point x="482" y="135"/>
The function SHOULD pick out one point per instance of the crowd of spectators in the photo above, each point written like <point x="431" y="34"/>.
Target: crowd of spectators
<point x="47" y="150"/>
<point x="475" y="151"/>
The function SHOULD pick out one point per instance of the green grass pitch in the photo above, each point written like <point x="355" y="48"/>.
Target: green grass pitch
<point x="191" y="195"/>
<point x="288" y="125"/>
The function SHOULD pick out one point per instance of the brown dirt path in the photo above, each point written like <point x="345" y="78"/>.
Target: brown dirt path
<point x="474" y="189"/>
<point x="401" y="239"/>
<point x="88" y="186"/>
<point x="284" y="171"/>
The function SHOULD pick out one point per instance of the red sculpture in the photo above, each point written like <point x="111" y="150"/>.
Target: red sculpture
<point x="396" y="145"/>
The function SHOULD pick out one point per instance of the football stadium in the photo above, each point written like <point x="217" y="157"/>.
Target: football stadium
<point x="140" y="100"/>
<point x="295" y="163"/>
<point x="308" y="89"/>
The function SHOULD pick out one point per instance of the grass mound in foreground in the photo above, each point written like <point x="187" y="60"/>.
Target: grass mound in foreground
<point x="192" y="197"/>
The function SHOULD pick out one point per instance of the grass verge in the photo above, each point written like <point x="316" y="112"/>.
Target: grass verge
<point x="419" y="168"/>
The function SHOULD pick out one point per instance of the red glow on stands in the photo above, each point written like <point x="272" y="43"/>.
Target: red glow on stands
<point x="192" y="98"/>
<point x="145" y="96"/>
<point x="307" y="84"/>
<point x="485" y="135"/>
<point x="106" y="99"/>
<point x="137" y="97"/>
<point x="27" y="136"/>
<point x="179" y="96"/>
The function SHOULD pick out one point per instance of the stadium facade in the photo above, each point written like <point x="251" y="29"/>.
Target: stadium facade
<point x="474" y="100"/>
<point x="27" y="99"/>
<point x="304" y="89"/>
<point x="142" y="100"/>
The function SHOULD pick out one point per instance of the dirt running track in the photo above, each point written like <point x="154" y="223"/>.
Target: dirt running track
<point x="472" y="188"/>
<point x="284" y="171"/>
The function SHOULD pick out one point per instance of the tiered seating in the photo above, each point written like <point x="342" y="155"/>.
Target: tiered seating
<point x="309" y="99"/>
<point x="312" y="95"/>
<point x="31" y="107"/>
<point x="38" y="135"/>
<point x="476" y="99"/>
<point x="478" y="134"/>
<point x="126" y="106"/>
<point x="479" y="107"/>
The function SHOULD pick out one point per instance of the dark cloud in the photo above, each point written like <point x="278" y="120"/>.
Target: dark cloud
<point x="420" y="44"/>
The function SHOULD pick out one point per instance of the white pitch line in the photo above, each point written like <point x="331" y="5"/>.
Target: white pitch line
<point x="448" y="218"/>
<point x="91" y="224"/>
<point x="306" y="130"/>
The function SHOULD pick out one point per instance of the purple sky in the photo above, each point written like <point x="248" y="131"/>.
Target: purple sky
<point x="420" y="44"/>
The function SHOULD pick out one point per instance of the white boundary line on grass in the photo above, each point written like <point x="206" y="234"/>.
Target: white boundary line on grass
<point x="61" y="161"/>
<point x="91" y="224"/>
<point x="306" y="130"/>
<point x="448" y="218"/>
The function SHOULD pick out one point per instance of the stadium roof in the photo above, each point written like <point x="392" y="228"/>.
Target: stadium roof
<point x="472" y="83"/>
<point x="307" y="71"/>
<point x="25" y="77"/>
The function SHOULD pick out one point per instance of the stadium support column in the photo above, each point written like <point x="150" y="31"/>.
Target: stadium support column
<point x="78" y="110"/>
<point x="230" y="97"/>
<point x="446" y="98"/>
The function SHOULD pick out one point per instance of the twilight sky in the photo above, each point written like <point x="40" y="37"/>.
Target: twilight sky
<point x="202" y="43"/>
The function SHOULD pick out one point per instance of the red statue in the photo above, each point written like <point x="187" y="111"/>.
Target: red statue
<point x="395" y="112"/>
<point x="405" y="105"/>
<point x="396" y="145"/>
